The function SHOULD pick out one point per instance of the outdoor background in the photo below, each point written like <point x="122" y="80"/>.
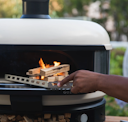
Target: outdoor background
<point x="111" y="14"/>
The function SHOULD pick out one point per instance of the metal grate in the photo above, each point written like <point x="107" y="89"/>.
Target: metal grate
<point x="35" y="82"/>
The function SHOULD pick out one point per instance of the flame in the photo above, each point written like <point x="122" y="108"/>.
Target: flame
<point x="41" y="63"/>
<point x="42" y="77"/>
<point x="43" y="66"/>
<point x="37" y="77"/>
<point x="59" y="74"/>
<point x="56" y="63"/>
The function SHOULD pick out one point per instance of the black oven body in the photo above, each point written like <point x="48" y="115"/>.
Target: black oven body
<point x="17" y="59"/>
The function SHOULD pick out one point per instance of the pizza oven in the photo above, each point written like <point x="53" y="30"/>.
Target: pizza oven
<point x="77" y="44"/>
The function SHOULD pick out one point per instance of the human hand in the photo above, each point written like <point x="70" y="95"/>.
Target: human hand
<point x="83" y="81"/>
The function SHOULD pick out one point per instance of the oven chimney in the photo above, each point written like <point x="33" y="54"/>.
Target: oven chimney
<point x="38" y="9"/>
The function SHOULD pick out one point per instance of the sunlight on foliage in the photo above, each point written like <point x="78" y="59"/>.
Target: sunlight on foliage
<point x="10" y="8"/>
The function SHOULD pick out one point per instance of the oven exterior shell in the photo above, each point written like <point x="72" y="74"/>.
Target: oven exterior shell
<point x="92" y="112"/>
<point x="26" y="34"/>
<point x="52" y="32"/>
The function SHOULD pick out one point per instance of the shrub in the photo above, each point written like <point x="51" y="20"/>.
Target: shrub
<point x="116" y="63"/>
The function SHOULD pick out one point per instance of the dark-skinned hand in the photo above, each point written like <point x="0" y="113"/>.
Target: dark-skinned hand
<point x="83" y="81"/>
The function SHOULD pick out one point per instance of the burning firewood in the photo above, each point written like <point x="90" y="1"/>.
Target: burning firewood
<point x="49" y="72"/>
<point x="59" y="78"/>
<point x="34" y="71"/>
<point x="54" y="78"/>
<point x="32" y="75"/>
<point x="54" y="70"/>
<point x="50" y="79"/>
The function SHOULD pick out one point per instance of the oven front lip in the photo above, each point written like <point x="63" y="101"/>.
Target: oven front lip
<point x="34" y="91"/>
<point x="6" y="109"/>
<point x="51" y="47"/>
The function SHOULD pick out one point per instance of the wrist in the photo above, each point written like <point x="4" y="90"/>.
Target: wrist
<point x="101" y="82"/>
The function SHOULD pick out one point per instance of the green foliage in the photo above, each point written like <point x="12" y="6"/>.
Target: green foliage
<point x="112" y="109"/>
<point x="116" y="62"/>
<point x="119" y="10"/>
<point x="69" y="5"/>
<point x="10" y="8"/>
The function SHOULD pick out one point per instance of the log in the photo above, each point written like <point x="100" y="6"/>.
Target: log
<point x="18" y="118"/>
<point x="60" y="117"/>
<point x="54" y="70"/>
<point x="62" y="120"/>
<point x="67" y="115"/>
<point x="34" y="71"/>
<point x="54" y="118"/>
<point x="67" y="120"/>
<point x="50" y="79"/>
<point x="4" y="118"/>
<point x="59" y="78"/>
<point x="27" y="119"/>
<point x="14" y="119"/>
<point x="39" y="119"/>
<point x="54" y="78"/>
<point x="49" y="120"/>
<point x="32" y="75"/>
<point x="30" y="120"/>
<point x="47" y="116"/>
<point x="66" y="74"/>
<point x="35" y="120"/>
<point x="10" y="117"/>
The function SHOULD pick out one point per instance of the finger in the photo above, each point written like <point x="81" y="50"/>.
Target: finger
<point x="66" y="80"/>
<point x="75" y="90"/>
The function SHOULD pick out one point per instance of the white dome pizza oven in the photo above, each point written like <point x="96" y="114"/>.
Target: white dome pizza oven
<point x="80" y="44"/>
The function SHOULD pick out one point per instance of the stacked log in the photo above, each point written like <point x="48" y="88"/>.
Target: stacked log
<point x="44" y="118"/>
<point x="50" y="74"/>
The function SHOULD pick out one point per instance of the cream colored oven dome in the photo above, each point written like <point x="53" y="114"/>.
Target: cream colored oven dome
<point x="52" y="32"/>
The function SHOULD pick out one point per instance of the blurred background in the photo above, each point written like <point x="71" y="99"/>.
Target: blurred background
<point x="111" y="14"/>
